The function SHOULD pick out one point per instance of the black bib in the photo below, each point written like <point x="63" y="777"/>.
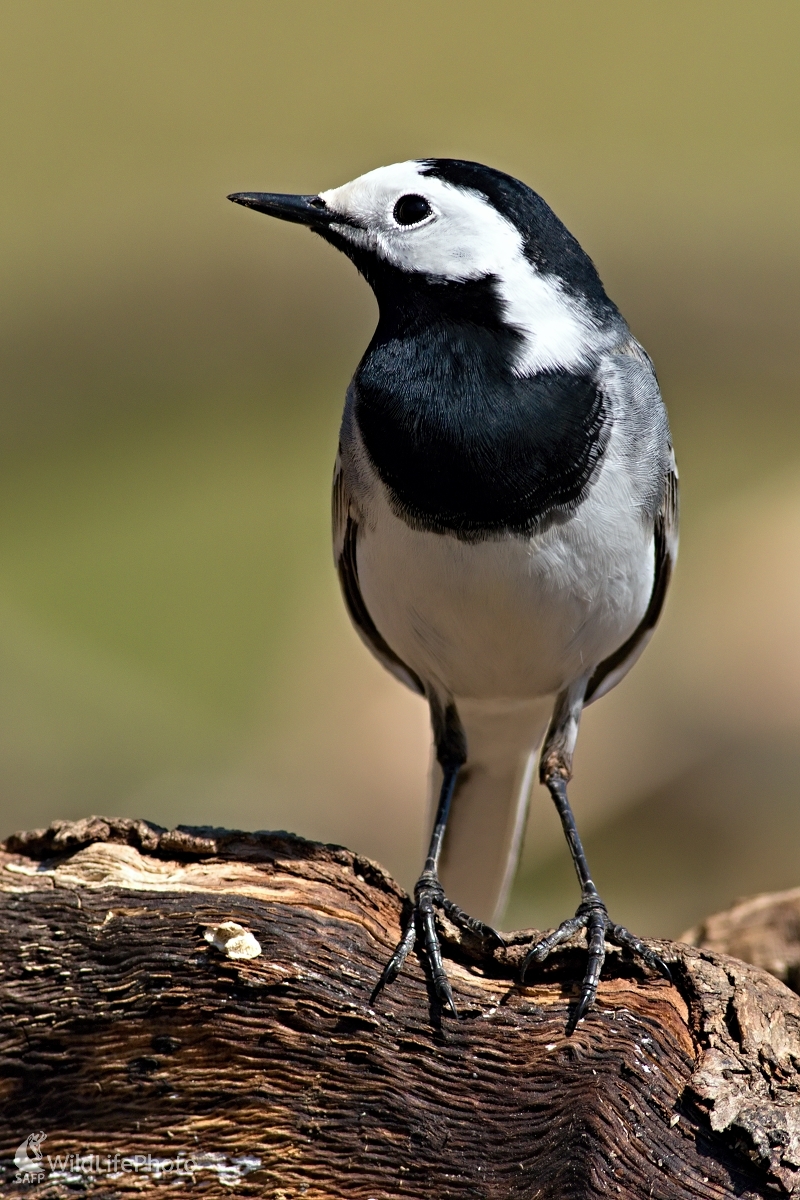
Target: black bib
<point x="463" y="445"/>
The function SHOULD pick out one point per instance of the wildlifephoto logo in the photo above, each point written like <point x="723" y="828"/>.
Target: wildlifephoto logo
<point x="29" y="1157"/>
<point x="33" y="1165"/>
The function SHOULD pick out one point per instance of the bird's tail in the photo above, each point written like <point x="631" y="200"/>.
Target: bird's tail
<point x="487" y="819"/>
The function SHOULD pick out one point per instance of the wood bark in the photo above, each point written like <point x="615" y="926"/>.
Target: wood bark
<point x="130" y="1028"/>
<point x="763" y="930"/>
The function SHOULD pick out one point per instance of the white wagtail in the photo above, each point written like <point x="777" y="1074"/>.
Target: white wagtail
<point x="504" y="511"/>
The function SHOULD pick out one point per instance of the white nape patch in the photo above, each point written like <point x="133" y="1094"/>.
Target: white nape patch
<point x="557" y="329"/>
<point x="466" y="238"/>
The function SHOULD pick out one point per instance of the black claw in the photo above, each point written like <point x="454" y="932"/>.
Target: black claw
<point x="428" y="897"/>
<point x="379" y="986"/>
<point x="445" y="994"/>
<point x="596" y="923"/>
<point x="593" y="917"/>
<point x="463" y="921"/>
<point x="539" y="952"/>
<point x="661" y="966"/>
<point x="395" y="963"/>
<point x="620" y="935"/>
<point x="580" y="1010"/>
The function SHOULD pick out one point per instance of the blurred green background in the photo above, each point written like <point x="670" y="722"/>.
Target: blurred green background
<point x="172" y="644"/>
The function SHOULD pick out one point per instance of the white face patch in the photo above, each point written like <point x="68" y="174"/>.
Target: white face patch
<point x="466" y="238"/>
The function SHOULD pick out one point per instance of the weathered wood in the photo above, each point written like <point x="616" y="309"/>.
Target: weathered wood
<point x="762" y="930"/>
<point x="124" y="1031"/>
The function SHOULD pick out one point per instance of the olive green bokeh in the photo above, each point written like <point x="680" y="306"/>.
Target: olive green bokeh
<point x="171" y="640"/>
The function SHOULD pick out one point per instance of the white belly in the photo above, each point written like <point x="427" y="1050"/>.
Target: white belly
<point x="513" y="617"/>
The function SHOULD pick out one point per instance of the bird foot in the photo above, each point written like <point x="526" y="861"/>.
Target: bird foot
<point x="429" y="898"/>
<point x="593" y="917"/>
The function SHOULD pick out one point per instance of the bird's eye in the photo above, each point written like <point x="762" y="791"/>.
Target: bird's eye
<point x="410" y="210"/>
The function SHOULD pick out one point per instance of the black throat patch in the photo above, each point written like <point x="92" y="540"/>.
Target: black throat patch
<point x="462" y="444"/>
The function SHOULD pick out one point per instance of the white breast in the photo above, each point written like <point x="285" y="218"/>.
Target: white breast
<point x="511" y="617"/>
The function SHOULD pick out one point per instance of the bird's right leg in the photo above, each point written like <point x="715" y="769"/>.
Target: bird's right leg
<point x="451" y="751"/>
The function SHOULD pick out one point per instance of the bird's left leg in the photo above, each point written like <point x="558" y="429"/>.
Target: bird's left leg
<point x="451" y="751"/>
<point x="555" y="772"/>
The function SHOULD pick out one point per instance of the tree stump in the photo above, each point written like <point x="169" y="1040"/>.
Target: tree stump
<point x="192" y="1008"/>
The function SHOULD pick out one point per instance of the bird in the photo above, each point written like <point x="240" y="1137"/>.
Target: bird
<point x="505" y="516"/>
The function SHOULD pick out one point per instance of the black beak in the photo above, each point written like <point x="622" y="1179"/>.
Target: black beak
<point x="302" y="210"/>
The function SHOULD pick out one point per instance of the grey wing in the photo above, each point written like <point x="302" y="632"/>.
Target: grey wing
<point x="345" y="544"/>
<point x="612" y="669"/>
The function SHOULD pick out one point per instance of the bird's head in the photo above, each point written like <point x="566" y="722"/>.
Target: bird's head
<point x="451" y="233"/>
